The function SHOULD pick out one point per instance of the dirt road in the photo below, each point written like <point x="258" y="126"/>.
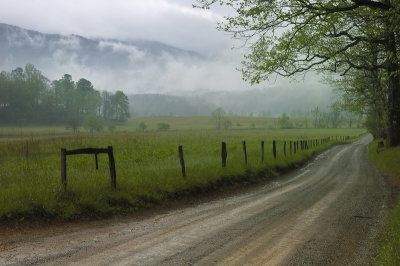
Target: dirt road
<point x="327" y="213"/>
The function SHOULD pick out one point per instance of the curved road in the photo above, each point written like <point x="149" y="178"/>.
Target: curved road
<point x="327" y="213"/>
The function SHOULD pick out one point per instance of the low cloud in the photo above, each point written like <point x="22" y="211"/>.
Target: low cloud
<point x="170" y="21"/>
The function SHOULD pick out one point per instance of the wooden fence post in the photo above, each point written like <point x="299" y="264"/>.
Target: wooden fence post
<point x="284" y="148"/>
<point x="224" y="154"/>
<point x="111" y="163"/>
<point x="262" y="151"/>
<point x="182" y="160"/>
<point x="64" y="169"/>
<point x="244" y="151"/>
<point x="97" y="162"/>
<point x="274" y="148"/>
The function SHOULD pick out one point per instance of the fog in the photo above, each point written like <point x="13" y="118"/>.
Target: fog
<point x="139" y="47"/>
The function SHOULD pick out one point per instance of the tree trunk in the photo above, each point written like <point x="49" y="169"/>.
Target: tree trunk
<point x="394" y="110"/>
<point x="393" y="90"/>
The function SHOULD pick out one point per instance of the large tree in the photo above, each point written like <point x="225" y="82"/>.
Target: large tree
<point x="21" y="93"/>
<point x="120" y="106"/>
<point x="288" y="37"/>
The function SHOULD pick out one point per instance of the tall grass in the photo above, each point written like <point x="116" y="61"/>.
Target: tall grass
<point x="389" y="161"/>
<point x="147" y="166"/>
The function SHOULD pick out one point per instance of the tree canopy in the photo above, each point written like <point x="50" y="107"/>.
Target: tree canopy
<point x="27" y="96"/>
<point x="289" y="37"/>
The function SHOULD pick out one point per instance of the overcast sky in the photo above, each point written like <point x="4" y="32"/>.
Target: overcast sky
<point x="174" y="22"/>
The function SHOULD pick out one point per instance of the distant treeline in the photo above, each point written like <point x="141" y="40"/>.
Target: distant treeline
<point x="28" y="97"/>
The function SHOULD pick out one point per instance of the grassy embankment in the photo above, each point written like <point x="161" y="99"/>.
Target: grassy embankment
<point x="148" y="169"/>
<point x="388" y="161"/>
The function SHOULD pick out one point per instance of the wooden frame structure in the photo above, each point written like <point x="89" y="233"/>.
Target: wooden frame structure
<point x="95" y="151"/>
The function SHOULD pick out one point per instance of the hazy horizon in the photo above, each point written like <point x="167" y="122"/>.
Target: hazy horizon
<point x="174" y="23"/>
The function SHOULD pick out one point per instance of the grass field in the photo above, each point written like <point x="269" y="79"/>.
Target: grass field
<point x="204" y="122"/>
<point x="176" y="123"/>
<point x="389" y="161"/>
<point x="147" y="164"/>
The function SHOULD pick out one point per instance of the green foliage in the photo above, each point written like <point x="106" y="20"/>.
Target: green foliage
<point x="148" y="169"/>
<point x="390" y="251"/>
<point x="141" y="127"/>
<point x="284" y="122"/>
<point x="26" y="96"/>
<point x="74" y="124"/>
<point x="389" y="162"/>
<point x="358" y="39"/>
<point x="120" y="105"/>
<point x="220" y="119"/>
<point x="335" y="114"/>
<point x="93" y="123"/>
<point x="163" y="126"/>
<point x="219" y="116"/>
<point x="376" y="125"/>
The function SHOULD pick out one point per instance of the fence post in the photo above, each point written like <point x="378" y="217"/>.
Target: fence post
<point x="181" y="160"/>
<point x="64" y="169"/>
<point x="224" y="154"/>
<point x="262" y="151"/>
<point x="111" y="163"/>
<point x="244" y="151"/>
<point x="284" y="148"/>
<point x="97" y="162"/>
<point x="274" y="148"/>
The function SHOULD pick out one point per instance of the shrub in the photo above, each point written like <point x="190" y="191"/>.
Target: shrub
<point x="93" y="123"/>
<point x="141" y="127"/>
<point x="163" y="126"/>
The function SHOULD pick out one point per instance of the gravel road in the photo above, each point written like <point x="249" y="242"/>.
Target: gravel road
<point x="329" y="212"/>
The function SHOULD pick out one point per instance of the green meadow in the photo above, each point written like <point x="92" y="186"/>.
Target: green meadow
<point x="147" y="165"/>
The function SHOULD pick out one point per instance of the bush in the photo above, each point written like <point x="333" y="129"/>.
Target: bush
<point x="284" y="122"/>
<point x="93" y="123"/>
<point x="163" y="126"/>
<point x="141" y="127"/>
<point x="74" y="124"/>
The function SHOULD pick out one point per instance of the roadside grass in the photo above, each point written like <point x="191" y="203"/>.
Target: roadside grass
<point x="388" y="161"/>
<point x="148" y="170"/>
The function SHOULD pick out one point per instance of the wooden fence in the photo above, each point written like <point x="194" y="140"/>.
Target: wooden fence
<point x="294" y="147"/>
<point x="95" y="151"/>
